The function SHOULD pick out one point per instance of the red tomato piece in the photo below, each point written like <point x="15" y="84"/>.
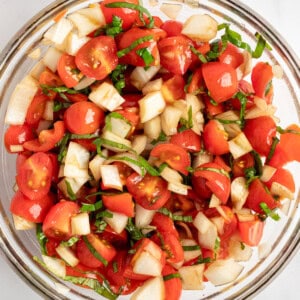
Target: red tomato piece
<point x="261" y="77"/>
<point x="67" y="70"/>
<point x="260" y="133"/>
<point x="241" y="164"/>
<point x="257" y="195"/>
<point x="175" y="156"/>
<point x="231" y="56"/>
<point x="98" y="57"/>
<point x="31" y="210"/>
<point x="187" y="139"/>
<point x="76" y="97"/>
<point x="124" y="171"/>
<point x="173" y="286"/>
<point x="131" y="100"/>
<point x="132" y="115"/>
<point x="116" y="239"/>
<point x="196" y="83"/>
<point x="47" y="139"/>
<point x="212" y="109"/>
<point x="283" y="177"/>
<point x="215" y="138"/>
<point x="251" y="231"/>
<point x="173" y="88"/>
<point x="172" y="27"/>
<point x="280" y="156"/>
<point x="120" y="203"/>
<point x="175" y="54"/>
<point x="217" y="179"/>
<point x="57" y="223"/>
<point x="221" y="80"/>
<point x="83" y="117"/>
<point x="200" y="187"/>
<point x="34" y="176"/>
<point x="246" y="88"/>
<point x="48" y="78"/>
<point x="172" y="246"/>
<point x="164" y="224"/>
<point x="150" y="192"/>
<point x="17" y="135"/>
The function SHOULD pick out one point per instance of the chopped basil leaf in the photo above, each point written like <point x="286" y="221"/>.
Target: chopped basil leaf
<point x="100" y="141"/>
<point x="187" y="124"/>
<point x="272" y="149"/>
<point x="91" y="207"/>
<point x="63" y="147"/>
<point x="114" y="115"/>
<point x="217" y="247"/>
<point x="104" y="214"/>
<point x="137" y="42"/>
<point x="200" y="56"/>
<point x="269" y="212"/>
<point x="95" y="253"/>
<point x="146" y="55"/>
<point x="242" y="246"/>
<point x="243" y="100"/>
<point x="70" y="242"/>
<point x="283" y="131"/>
<point x="260" y="46"/>
<point x="203" y="260"/>
<point x="70" y="192"/>
<point x="174" y="217"/>
<point x="134" y="232"/>
<point x="215" y="51"/>
<point x="220" y="171"/>
<point x="118" y="78"/>
<point x="171" y="276"/>
<point x="191" y="248"/>
<point x="101" y="225"/>
<point x="115" y="27"/>
<point x="250" y="175"/>
<point x="58" y="89"/>
<point x="83" y="136"/>
<point x="58" y="105"/>
<point x="161" y="138"/>
<point x="268" y="87"/>
<point x="115" y="267"/>
<point x="258" y="163"/>
<point x="42" y="239"/>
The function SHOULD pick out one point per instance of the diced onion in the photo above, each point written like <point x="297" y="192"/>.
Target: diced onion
<point x="192" y="277"/>
<point x="171" y="10"/>
<point x="147" y="264"/>
<point x="58" y="32"/>
<point x="16" y="148"/>
<point x="143" y="216"/>
<point x="152" y="128"/>
<point x="22" y="224"/>
<point x="96" y="162"/>
<point x="239" y="251"/>
<point x="67" y="255"/>
<point x="170" y="119"/>
<point x="140" y="76"/>
<point x="83" y="83"/>
<point x="117" y="222"/>
<point x="189" y="255"/>
<point x="152" y="288"/>
<point x="282" y="191"/>
<point x="267" y="173"/>
<point x="111" y="177"/>
<point x="152" y="86"/>
<point x="80" y="224"/>
<point x="110" y="136"/>
<point x="51" y="58"/>
<point x="178" y="188"/>
<point x="239" y="145"/>
<point x="35" y="54"/>
<point x="139" y="143"/>
<point x="239" y="192"/>
<point x="55" y="265"/>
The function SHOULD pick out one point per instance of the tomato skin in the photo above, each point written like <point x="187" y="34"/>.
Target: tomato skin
<point x="221" y="80"/>
<point x="173" y="88"/>
<point x="196" y="83"/>
<point x="257" y="195"/>
<point x="164" y="224"/>
<point x="83" y="117"/>
<point x="215" y="138"/>
<point x="241" y="164"/>
<point x="119" y="240"/>
<point x="131" y="100"/>
<point x="65" y="69"/>
<point x="104" y="249"/>
<point x="231" y="56"/>
<point x="188" y="140"/>
<point x="212" y="109"/>
<point x="76" y="97"/>
<point x="251" y="231"/>
<point x="173" y="286"/>
<point x="175" y="54"/>
<point x="172" y="27"/>
<point x="120" y="203"/>
<point x="34" y="176"/>
<point x="98" y="57"/>
<point x="57" y="223"/>
<point x="283" y="177"/>
<point x="260" y="133"/>
<point x="17" y="135"/>
<point x="31" y="210"/>
<point x="200" y="187"/>
<point x="47" y="139"/>
<point x="149" y="191"/>
<point x="175" y="156"/>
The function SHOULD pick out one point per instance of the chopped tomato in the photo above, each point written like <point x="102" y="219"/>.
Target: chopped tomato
<point x="17" y="135"/>
<point x="149" y="191"/>
<point x="188" y="140"/>
<point x="231" y="56"/>
<point x="31" y="210"/>
<point x="67" y="70"/>
<point x="196" y="83"/>
<point x="48" y="78"/>
<point x="221" y="80"/>
<point x="241" y="164"/>
<point x="212" y="108"/>
<point x="83" y="117"/>
<point x="172" y="27"/>
<point x="119" y="240"/>
<point x="175" y="54"/>
<point x="200" y="187"/>
<point x="76" y="97"/>
<point x="251" y="231"/>
<point x="131" y="100"/>
<point x="131" y="115"/>
<point x="215" y="138"/>
<point x="260" y="133"/>
<point x="94" y="252"/>
<point x="98" y="57"/>
<point x="175" y="156"/>
<point x="120" y="203"/>
<point x="283" y="177"/>
<point x="124" y="171"/>
<point x="173" y="285"/>
<point x="34" y="176"/>
<point x="47" y="139"/>
<point x="217" y="179"/>
<point x="173" y="88"/>
<point x="164" y="224"/>
<point x="57" y="223"/>
<point x="246" y="88"/>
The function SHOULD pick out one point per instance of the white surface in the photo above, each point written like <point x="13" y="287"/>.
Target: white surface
<point x="282" y="14"/>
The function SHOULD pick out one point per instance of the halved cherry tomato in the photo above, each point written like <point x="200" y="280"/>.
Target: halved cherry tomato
<point x="211" y="108"/>
<point x="200" y="187"/>
<point x="188" y="140"/>
<point x="217" y="179"/>
<point x="221" y="80"/>
<point x="34" y="176"/>
<point x="17" y="135"/>
<point x="127" y="15"/>
<point x="124" y="171"/>
<point x="260" y="133"/>
<point x="173" y="88"/>
<point x="67" y="70"/>
<point x="100" y="248"/>
<point x="120" y="203"/>
<point x="283" y="177"/>
<point x="280" y="156"/>
<point x="57" y="223"/>
<point x="258" y="194"/>
<point x="175" y="54"/>
<point x="241" y="164"/>
<point x="51" y="245"/>
<point x="47" y="139"/>
<point x="231" y="56"/>
<point x="150" y="192"/>
<point x="196" y="83"/>
<point x="164" y="224"/>
<point x="48" y="78"/>
<point x="119" y="240"/>
<point x="132" y="115"/>
<point x="76" y="97"/>
<point x="98" y="57"/>
<point x="202" y="48"/>
<point x="175" y="156"/>
<point x="215" y="138"/>
<point x="261" y="77"/>
<point x="246" y="88"/>
<point x="173" y="286"/>
<point x="31" y="210"/>
<point x="172" y="27"/>
<point x="83" y="117"/>
<point x="251" y="231"/>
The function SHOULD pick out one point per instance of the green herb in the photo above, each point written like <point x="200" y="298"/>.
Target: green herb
<point x="146" y="55"/>
<point x="91" y="207"/>
<point x="191" y="248"/>
<point x="74" y="136"/>
<point x="63" y="147"/>
<point x="142" y="10"/>
<point x="70" y="242"/>
<point x="272" y="149"/>
<point x="200" y="56"/>
<point x="162" y="167"/>
<point x="100" y="141"/>
<point x="171" y="276"/>
<point x="220" y="171"/>
<point x="101" y="225"/>
<point x="215" y="51"/>
<point x="100" y="193"/>
<point x="118" y="78"/>
<point x="260" y="46"/>
<point x="42" y="239"/>
<point x="217" y="247"/>
<point x="284" y="131"/>
<point x="268" y="88"/>
<point x="134" y="232"/>
<point x="269" y="212"/>
<point x="115" y="267"/>
<point x="250" y="175"/>
<point x="258" y="163"/>
<point x="58" y="105"/>
<point x="137" y="42"/>
<point x="203" y="260"/>
<point x="187" y="124"/>
<point x="95" y="253"/>
<point x="174" y="217"/>
<point x="161" y="138"/>
<point x="104" y="214"/>
<point x="70" y="192"/>
<point x="115" y="27"/>
<point x="114" y="115"/>
<point x="243" y="100"/>
<point x="58" y="89"/>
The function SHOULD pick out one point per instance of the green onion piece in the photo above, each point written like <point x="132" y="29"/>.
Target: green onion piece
<point x="272" y="149"/>
<point x="42" y="239"/>
<point x="171" y="276"/>
<point x="191" y="248"/>
<point x="70" y="192"/>
<point x="260" y="46"/>
<point x="269" y="212"/>
<point x="142" y="10"/>
<point x="86" y="207"/>
<point x="70" y="242"/>
<point x="146" y="55"/>
<point x="134" y="232"/>
<point x="200" y="56"/>
<point x="95" y="253"/>
<point x="174" y="217"/>
<point x="137" y="42"/>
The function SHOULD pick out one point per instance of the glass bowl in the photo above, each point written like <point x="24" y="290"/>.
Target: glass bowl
<point x="281" y="238"/>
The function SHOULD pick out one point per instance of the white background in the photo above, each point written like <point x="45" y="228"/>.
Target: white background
<point x="282" y="14"/>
